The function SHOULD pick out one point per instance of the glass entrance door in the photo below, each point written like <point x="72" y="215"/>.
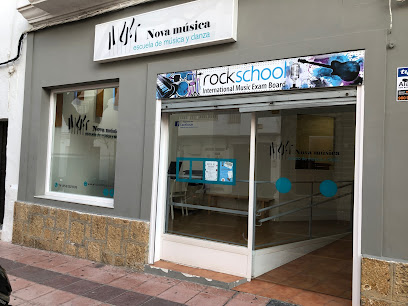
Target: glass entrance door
<point x="304" y="180"/>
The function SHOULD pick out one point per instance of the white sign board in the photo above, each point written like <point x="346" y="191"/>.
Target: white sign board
<point x="211" y="171"/>
<point x="191" y="25"/>
<point x="402" y="84"/>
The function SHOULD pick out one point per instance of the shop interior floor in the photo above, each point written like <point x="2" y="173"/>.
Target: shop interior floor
<point x="327" y="270"/>
<point x="233" y="229"/>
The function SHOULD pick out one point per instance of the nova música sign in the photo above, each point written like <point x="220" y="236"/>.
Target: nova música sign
<point x="191" y="25"/>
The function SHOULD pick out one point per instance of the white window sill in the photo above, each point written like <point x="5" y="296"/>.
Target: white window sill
<point x="77" y="199"/>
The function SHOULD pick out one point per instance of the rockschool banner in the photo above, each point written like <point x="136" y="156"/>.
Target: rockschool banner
<point x="318" y="71"/>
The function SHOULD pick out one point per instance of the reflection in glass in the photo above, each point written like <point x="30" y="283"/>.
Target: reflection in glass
<point x="84" y="142"/>
<point x="202" y="202"/>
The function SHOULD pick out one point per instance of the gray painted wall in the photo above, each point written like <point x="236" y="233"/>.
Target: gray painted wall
<point x="62" y="56"/>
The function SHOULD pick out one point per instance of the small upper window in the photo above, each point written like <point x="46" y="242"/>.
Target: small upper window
<point x="83" y="149"/>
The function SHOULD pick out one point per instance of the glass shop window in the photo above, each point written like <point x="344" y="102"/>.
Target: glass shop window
<point x="83" y="149"/>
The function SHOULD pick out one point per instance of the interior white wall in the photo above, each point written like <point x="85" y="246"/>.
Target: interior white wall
<point x="11" y="99"/>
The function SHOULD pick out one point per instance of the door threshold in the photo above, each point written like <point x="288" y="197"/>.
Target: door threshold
<point x="195" y="275"/>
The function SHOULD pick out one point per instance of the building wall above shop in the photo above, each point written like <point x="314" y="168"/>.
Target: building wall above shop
<point x="45" y="13"/>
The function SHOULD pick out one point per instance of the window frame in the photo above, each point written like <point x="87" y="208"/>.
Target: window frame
<point x="70" y="197"/>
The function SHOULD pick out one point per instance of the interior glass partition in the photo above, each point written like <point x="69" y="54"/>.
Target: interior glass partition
<point x="207" y="176"/>
<point x="304" y="174"/>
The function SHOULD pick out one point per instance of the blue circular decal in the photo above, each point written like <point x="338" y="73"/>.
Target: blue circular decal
<point x="106" y="192"/>
<point x="85" y="183"/>
<point x="283" y="185"/>
<point x="56" y="185"/>
<point x="328" y="188"/>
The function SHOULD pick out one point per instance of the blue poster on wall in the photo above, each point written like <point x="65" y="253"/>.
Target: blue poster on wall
<point x="214" y="170"/>
<point x="226" y="171"/>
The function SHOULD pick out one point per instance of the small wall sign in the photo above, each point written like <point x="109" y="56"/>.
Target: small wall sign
<point x="402" y="84"/>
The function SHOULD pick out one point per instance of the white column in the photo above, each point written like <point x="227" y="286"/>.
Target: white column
<point x="252" y="201"/>
<point x="358" y="185"/>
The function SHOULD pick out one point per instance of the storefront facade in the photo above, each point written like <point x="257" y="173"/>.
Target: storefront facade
<point x="220" y="178"/>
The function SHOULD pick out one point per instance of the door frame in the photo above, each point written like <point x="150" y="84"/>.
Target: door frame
<point x="157" y="235"/>
<point x="3" y="151"/>
<point x="358" y="191"/>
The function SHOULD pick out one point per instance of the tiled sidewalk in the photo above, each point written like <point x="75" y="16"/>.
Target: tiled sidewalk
<point x="45" y="278"/>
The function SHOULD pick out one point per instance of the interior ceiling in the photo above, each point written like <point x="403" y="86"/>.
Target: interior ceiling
<point x="58" y="7"/>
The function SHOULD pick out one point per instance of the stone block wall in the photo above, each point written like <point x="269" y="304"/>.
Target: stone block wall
<point x="110" y="240"/>
<point x="383" y="282"/>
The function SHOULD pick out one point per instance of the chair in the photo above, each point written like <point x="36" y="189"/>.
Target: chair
<point x="178" y="190"/>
